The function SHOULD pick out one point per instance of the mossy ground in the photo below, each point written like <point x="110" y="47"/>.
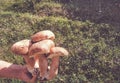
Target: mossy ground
<point x="94" y="48"/>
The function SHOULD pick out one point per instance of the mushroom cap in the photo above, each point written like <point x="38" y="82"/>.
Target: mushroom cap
<point x="58" y="51"/>
<point x="21" y="47"/>
<point x="42" y="35"/>
<point x="41" y="47"/>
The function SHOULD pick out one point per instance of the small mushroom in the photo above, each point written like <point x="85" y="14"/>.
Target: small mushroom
<point x="21" y="47"/>
<point x="37" y="50"/>
<point x="55" y="53"/>
<point x="58" y="51"/>
<point x="42" y="35"/>
<point x="41" y="47"/>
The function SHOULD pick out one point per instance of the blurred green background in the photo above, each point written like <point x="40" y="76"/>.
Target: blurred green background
<point x="88" y="29"/>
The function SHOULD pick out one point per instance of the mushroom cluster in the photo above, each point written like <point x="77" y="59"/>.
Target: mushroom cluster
<point x="36" y="52"/>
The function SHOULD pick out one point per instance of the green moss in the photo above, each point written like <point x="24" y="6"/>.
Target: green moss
<point x="93" y="48"/>
<point x="48" y="5"/>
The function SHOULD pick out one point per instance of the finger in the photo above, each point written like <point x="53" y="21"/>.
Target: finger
<point x="34" y="79"/>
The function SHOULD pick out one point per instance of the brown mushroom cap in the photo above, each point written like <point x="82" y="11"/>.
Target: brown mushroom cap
<point x="21" y="47"/>
<point x="58" y="51"/>
<point x="45" y="34"/>
<point x="41" y="47"/>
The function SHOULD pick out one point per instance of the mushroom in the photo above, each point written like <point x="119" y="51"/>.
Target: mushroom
<point x="42" y="35"/>
<point x="22" y="48"/>
<point x="55" y="53"/>
<point x="38" y="50"/>
<point x="58" y="51"/>
<point x="41" y="47"/>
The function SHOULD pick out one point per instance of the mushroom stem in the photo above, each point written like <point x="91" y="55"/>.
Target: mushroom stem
<point x="53" y="68"/>
<point x="30" y="63"/>
<point x="36" y="58"/>
<point x="43" y="66"/>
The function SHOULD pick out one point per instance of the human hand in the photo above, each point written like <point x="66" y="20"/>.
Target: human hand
<point x="10" y="70"/>
<point x="26" y="76"/>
